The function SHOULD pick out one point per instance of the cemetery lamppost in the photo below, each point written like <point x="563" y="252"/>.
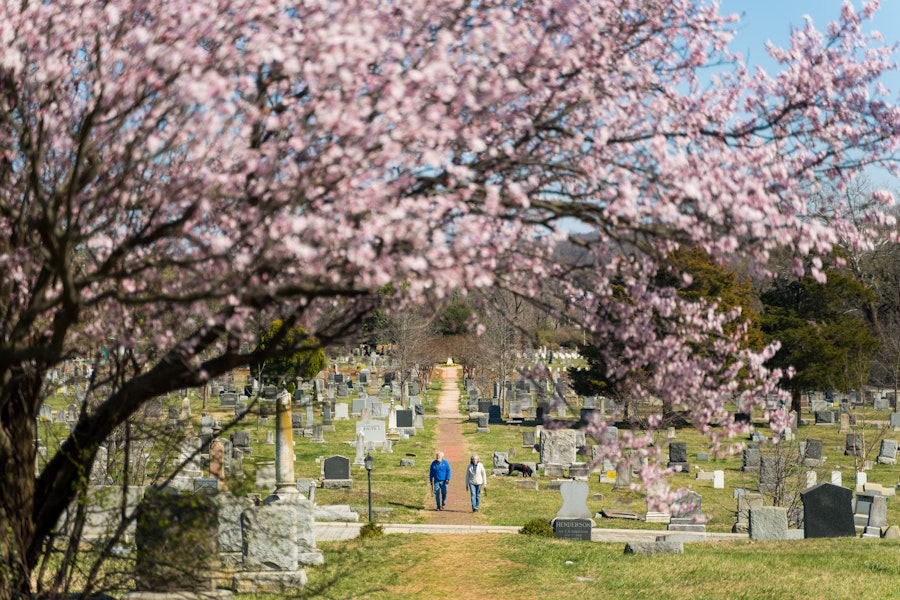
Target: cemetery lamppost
<point x="369" y="462"/>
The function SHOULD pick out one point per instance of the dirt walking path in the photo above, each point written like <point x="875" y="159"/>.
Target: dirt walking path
<point x="449" y="438"/>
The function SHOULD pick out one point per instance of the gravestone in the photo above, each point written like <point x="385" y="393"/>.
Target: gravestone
<point x="483" y="421"/>
<point x="528" y="439"/>
<point x="623" y="474"/>
<point x="771" y="471"/>
<point x="357" y="405"/>
<point x="686" y="513"/>
<point x="887" y="455"/>
<point x="176" y="543"/>
<point x="895" y="420"/>
<point x="494" y="416"/>
<point x="559" y="447"/>
<point x="826" y="417"/>
<point x="336" y="473"/>
<point x="718" y="480"/>
<point x="746" y="502"/>
<point x="678" y="457"/>
<point x="374" y="431"/>
<point x="751" y="458"/>
<point x="827" y="511"/>
<point x="265" y="475"/>
<point x="853" y="446"/>
<point x="240" y="439"/>
<point x="573" y="521"/>
<point x="404" y="419"/>
<point x="768" y="523"/>
<point x="278" y="538"/>
<point x="296" y="421"/>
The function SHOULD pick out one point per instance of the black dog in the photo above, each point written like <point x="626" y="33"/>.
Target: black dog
<point x="522" y="468"/>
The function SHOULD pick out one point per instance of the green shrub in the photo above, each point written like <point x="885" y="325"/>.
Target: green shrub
<point x="538" y="527"/>
<point x="370" y="530"/>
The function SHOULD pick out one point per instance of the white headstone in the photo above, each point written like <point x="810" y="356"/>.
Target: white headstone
<point x="719" y="480"/>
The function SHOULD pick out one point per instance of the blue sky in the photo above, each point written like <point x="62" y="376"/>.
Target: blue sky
<point x="771" y="20"/>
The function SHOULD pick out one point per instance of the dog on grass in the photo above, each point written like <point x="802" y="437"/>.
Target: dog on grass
<point x="522" y="468"/>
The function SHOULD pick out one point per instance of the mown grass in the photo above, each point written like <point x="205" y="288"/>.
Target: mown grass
<point x="524" y="567"/>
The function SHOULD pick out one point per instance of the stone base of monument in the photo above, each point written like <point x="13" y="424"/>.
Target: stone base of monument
<point x="572" y="529"/>
<point x="682" y="537"/>
<point x="483" y="430"/>
<point x="337" y="484"/>
<point x="278" y="582"/>
<point x="335" y="512"/>
<point x="554" y="470"/>
<point x="526" y="484"/>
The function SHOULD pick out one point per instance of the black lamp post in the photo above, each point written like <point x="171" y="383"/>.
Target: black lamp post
<point x="369" y="462"/>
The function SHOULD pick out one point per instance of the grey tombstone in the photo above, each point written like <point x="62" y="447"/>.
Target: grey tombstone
<point x="240" y="439"/>
<point x="228" y="399"/>
<point x="623" y="474"/>
<point x="678" y="457"/>
<point x="559" y="447"/>
<point x="317" y="434"/>
<point x="515" y="410"/>
<point x="483" y="422"/>
<point x="296" y="421"/>
<point x="265" y="475"/>
<point x="686" y="513"/>
<point x="895" y="420"/>
<point x="771" y="469"/>
<point x="751" y="458"/>
<point x="343" y="390"/>
<point x="826" y="417"/>
<point x="240" y="409"/>
<point x="500" y="461"/>
<point x="206" y="424"/>
<point x="768" y="523"/>
<point x="336" y="472"/>
<point x="341" y="411"/>
<point x="746" y="502"/>
<point x="309" y="416"/>
<point x="484" y="406"/>
<point x="528" y="439"/>
<point x="357" y="405"/>
<point x="887" y="455"/>
<point x="827" y="511"/>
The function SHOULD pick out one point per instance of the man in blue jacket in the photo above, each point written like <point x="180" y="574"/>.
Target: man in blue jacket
<point x="439" y="477"/>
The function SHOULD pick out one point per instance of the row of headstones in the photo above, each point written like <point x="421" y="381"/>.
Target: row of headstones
<point x="828" y="511"/>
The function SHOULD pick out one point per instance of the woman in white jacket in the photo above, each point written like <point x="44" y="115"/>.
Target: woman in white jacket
<point x="476" y="479"/>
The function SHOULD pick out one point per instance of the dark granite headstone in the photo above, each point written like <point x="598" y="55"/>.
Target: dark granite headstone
<point x="813" y="449"/>
<point x="573" y="529"/>
<point x="853" y="445"/>
<point x="678" y="456"/>
<point x="827" y="511"/>
<point x="337" y="467"/>
<point x="494" y="415"/>
<point x="404" y="418"/>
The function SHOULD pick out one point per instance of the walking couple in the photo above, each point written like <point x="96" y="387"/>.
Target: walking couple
<point x="439" y="478"/>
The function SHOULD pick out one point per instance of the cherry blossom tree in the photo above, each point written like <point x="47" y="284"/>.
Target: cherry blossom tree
<point x="173" y="172"/>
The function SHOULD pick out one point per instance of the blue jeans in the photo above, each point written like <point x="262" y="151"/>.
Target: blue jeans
<point x="440" y="493"/>
<point x="475" y="490"/>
